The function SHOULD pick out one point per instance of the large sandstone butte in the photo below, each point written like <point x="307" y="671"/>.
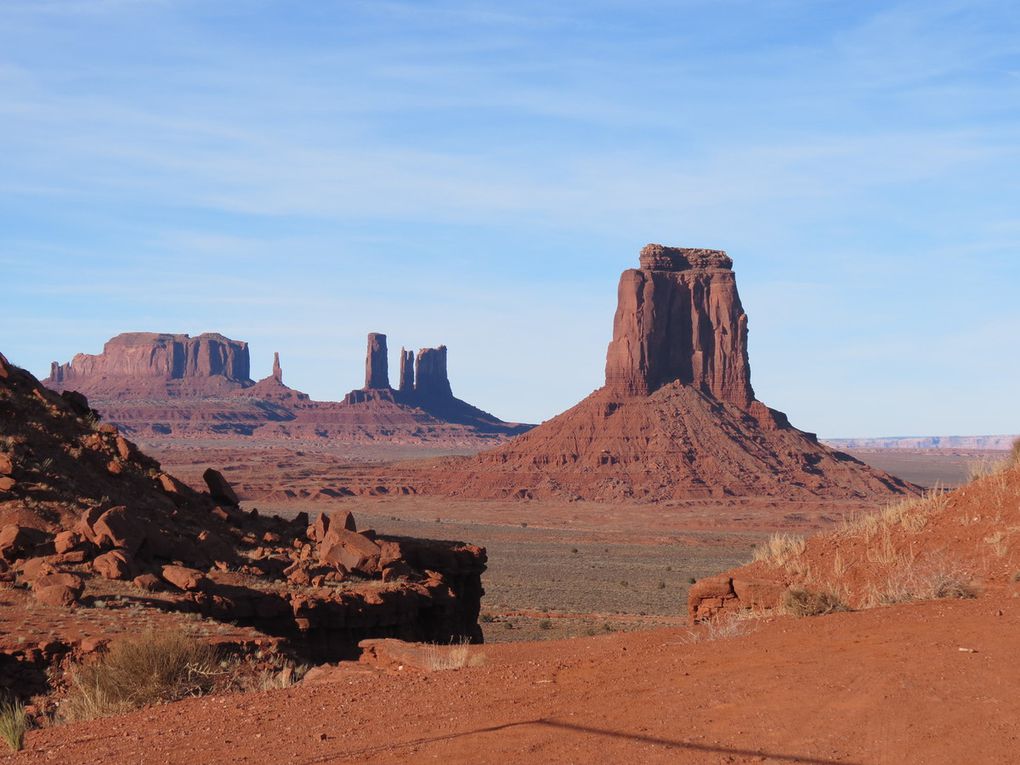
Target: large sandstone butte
<point x="165" y="386"/>
<point x="677" y="417"/>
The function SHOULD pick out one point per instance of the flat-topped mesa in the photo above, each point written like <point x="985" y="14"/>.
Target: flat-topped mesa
<point x="679" y="318"/>
<point x="432" y="381"/>
<point x="154" y="355"/>
<point x="377" y="374"/>
<point x="406" y="371"/>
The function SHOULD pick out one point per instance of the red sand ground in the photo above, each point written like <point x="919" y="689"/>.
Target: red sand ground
<point x="889" y="685"/>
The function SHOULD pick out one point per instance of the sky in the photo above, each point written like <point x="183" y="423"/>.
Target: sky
<point x="478" y="174"/>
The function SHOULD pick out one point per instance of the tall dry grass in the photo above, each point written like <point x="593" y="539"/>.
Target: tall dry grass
<point x="137" y="672"/>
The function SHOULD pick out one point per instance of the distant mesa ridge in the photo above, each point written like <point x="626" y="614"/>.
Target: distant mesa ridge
<point x="172" y="384"/>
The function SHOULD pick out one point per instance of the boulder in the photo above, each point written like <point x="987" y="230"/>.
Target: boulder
<point x="60" y="579"/>
<point x="87" y="521"/>
<point x="351" y="550"/>
<point x="317" y="531"/>
<point x="18" y="541"/>
<point x="116" y="564"/>
<point x="6" y="465"/>
<point x="148" y="582"/>
<point x="56" y="595"/>
<point x="66" y="541"/>
<point x="7" y="483"/>
<point x="219" y="489"/>
<point x="184" y="578"/>
<point x="118" y="528"/>
<point x="34" y="569"/>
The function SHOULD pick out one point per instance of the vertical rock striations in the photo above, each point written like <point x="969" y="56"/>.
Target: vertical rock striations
<point x="432" y="382"/>
<point x="679" y="318"/>
<point x="377" y="375"/>
<point x="207" y="361"/>
<point x="406" y="371"/>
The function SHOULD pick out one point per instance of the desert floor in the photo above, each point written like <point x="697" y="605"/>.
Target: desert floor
<point x="932" y="682"/>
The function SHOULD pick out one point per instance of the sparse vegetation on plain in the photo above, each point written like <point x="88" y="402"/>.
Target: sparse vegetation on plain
<point x="137" y="672"/>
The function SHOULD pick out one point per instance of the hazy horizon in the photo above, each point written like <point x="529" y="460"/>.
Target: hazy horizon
<point x="477" y="175"/>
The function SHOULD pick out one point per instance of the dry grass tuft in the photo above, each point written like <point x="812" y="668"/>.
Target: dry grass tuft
<point x="152" y="668"/>
<point x="1014" y="455"/>
<point x="799" y="602"/>
<point x="909" y="583"/>
<point x="458" y="655"/>
<point x="13" y="724"/>
<point x="780" y="550"/>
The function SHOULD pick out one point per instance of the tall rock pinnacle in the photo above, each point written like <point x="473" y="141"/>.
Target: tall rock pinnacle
<point x="377" y="375"/>
<point x="679" y="318"/>
<point x="277" y="370"/>
<point x="406" y="371"/>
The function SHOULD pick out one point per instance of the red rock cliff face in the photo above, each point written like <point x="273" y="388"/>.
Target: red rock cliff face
<point x="162" y="357"/>
<point x="679" y="318"/>
<point x="432" y="379"/>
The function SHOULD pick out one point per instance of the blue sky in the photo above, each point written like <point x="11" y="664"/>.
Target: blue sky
<point x="478" y="174"/>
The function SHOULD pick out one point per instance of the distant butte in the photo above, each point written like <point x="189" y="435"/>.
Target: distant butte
<point x="677" y="417"/>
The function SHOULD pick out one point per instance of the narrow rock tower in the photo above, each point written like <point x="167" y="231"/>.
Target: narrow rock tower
<point x="406" y="371"/>
<point x="377" y="375"/>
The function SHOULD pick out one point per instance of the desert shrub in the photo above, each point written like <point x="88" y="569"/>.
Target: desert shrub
<point x="545" y="624"/>
<point x="800" y="602"/>
<point x="780" y="550"/>
<point x="149" y="669"/>
<point x="1014" y="455"/>
<point x="486" y="618"/>
<point x="13" y="724"/>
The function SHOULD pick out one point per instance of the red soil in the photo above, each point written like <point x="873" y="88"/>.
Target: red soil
<point x="882" y="686"/>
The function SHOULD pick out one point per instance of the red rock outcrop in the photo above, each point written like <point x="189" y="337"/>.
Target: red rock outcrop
<point x="677" y="418"/>
<point x="69" y="527"/>
<point x="277" y="369"/>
